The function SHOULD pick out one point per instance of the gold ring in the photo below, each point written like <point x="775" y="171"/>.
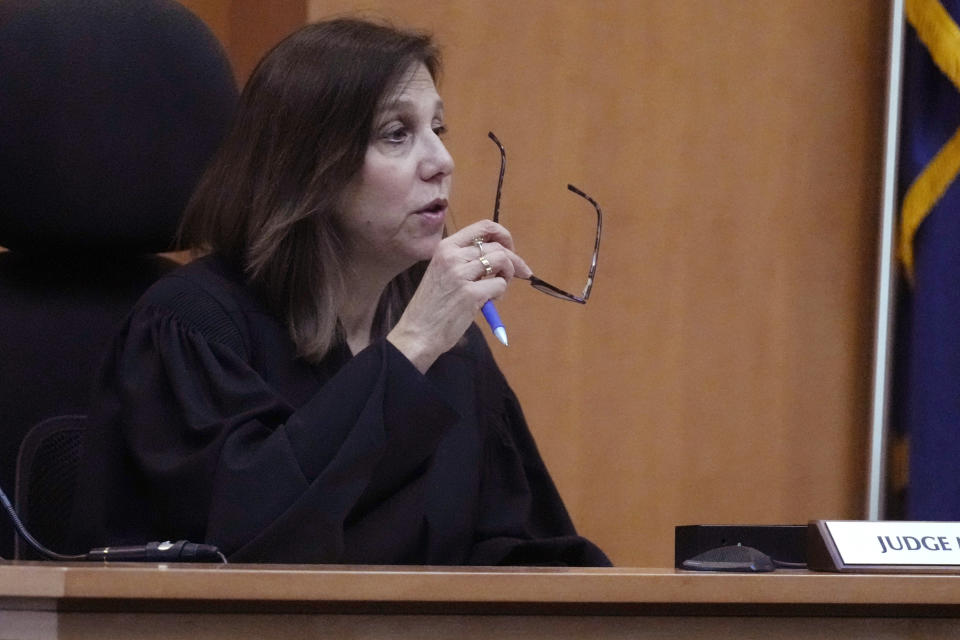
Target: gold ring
<point x="486" y="265"/>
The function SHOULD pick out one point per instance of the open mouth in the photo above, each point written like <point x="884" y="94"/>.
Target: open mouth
<point x="436" y="206"/>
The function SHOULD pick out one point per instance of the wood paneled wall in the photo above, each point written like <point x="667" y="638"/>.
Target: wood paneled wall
<point x="248" y="28"/>
<point x="721" y="371"/>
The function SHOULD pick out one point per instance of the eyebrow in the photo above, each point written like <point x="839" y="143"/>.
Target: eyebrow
<point x="400" y="103"/>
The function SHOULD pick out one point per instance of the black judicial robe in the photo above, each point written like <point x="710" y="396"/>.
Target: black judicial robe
<point x="207" y="427"/>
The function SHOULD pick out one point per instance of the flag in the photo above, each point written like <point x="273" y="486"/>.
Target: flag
<point x="927" y="376"/>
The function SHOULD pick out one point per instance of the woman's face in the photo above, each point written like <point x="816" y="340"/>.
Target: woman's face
<point x="393" y="210"/>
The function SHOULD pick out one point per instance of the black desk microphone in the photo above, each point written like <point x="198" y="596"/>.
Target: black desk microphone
<point x="180" y="551"/>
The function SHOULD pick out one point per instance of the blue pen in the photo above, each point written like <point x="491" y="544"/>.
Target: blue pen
<point x="493" y="319"/>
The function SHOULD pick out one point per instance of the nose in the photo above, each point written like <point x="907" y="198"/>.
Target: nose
<point x="436" y="161"/>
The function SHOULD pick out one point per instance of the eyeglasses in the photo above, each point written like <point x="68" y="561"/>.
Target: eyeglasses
<point x="535" y="282"/>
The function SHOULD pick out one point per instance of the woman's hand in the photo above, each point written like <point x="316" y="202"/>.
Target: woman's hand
<point x="454" y="287"/>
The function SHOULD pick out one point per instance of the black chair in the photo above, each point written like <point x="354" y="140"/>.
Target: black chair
<point x="109" y="110"/>
<point x="46" y="478"/>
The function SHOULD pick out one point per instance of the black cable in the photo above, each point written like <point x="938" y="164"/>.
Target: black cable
<point x="179" y="551"/>
<point x="22" y="530"/>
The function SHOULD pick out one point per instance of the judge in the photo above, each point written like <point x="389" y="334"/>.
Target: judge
<point x="314" y="389"/>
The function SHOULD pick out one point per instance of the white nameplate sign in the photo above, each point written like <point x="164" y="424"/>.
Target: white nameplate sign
<point x="885" y="544"/>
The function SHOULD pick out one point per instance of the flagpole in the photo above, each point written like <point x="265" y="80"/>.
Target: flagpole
<point x="886" y="275"/>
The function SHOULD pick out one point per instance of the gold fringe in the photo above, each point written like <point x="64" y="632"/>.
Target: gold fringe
<point x="941" y="35"/>
<point x="924" y="193"/>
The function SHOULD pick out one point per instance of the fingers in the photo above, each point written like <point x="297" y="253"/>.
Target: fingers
<point x="495" y="261"/>
<point x="489" y="230"/>
<point x="493" y="242"/>
<point x="488" y="289"/>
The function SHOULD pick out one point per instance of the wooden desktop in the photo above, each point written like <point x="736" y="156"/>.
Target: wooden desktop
<point x="43" y="600"/>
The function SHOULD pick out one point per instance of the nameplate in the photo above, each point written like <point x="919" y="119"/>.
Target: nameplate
<point x="883" y="546"/>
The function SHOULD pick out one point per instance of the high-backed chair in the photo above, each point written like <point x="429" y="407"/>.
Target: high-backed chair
<point x="109" y="110"/>
<point x="46" y="478"/>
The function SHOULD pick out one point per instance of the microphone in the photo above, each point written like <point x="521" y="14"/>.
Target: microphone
<point x="180" y="551"/>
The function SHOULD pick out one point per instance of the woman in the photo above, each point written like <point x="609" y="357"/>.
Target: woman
<point x="314" y="390"/>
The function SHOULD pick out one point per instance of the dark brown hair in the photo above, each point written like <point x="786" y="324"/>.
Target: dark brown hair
<point x="267" y="200"/>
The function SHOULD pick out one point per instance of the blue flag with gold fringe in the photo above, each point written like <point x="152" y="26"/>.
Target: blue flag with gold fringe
<point x="927" y="376"/>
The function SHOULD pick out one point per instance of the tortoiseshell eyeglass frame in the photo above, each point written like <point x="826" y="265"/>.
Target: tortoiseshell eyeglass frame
<point x="535" y="282"/>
